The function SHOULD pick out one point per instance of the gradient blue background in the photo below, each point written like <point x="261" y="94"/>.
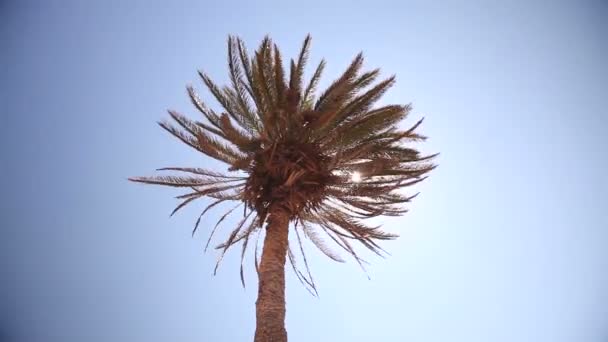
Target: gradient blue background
<point x="507" y="242"/>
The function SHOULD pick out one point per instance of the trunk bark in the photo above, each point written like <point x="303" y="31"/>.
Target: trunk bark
<point x="270" y="306"/>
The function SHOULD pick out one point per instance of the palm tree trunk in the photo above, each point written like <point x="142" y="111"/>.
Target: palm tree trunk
<point x="270" y="306"/>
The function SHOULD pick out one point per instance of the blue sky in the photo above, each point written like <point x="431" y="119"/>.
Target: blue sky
<point x="507" y="241"/>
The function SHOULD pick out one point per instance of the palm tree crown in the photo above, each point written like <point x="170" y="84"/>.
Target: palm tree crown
<point x="325" y="162"/>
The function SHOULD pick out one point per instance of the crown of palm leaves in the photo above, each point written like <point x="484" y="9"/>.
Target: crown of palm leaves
<point x="288" y="150"/>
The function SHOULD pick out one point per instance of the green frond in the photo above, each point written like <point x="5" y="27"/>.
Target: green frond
<point x="341" y="89"/>
<point x="207" y="208"/>
<point x="248" y="121"/>
<point x="312" y="235"/>
<point x="297" y="70"/>
<point x="351" y="153"/>
<point x="311" y="281"/>
<point x="226" y="192"/>
<point x="263" y="77"/>
<point x="217" y="224"/>
<point x="267" y="67"/>
<point x="259" y="88"/>
<point x="344" y="244"/>
<point x="362" y="103"/>
<point x="251" y="87"/>
<point x="308" y="283"/>
<point x="245" y="62"/>
<point x="351" y="228"/>
<point x="200" y="171"/>
<point x="217" y="150"/>
<point x="365" y="79"/>
<point x="320" y="222"/>
<point x="210" y="129"/>
<point x="240" y="92"/>
<point x="400" y="153"/>
<point x="232" y="195"/>
<point x="366" y="125"/>
<point x="207" y="113"/>
<point x="253" y="227"/>
<point x="345" y="228"/>
<point x="236" y="136"/>
<point x="177" y="181"/>
<point x="184" y="122"/>
<point x="407" y="136"/>
<point x="230" y="241"/>
<point x="228" y="102"/>
<point x="307" y="99"/>
<point x="181" y="135"/>
<point x="279" y="78"/>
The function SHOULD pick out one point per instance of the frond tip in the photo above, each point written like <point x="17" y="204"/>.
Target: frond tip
<point x="287" y="148"/>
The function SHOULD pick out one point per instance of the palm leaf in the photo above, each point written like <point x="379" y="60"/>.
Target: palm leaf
<point x="340" y="90"/>
<point x="297" y="70"/>
<point x="307" y="98"/>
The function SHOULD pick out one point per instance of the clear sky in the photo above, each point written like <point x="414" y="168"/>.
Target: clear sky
<point x="507" y="241"/>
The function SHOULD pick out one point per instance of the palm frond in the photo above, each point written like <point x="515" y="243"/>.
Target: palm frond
<point x="311" y="281"/>
<point x="238" y="85"/>
<point x="176" y="132"/>
<point x="209" y="114"/>
<point x="279" y="78"/>
<point x="230" y="241"/>
<point x="307" y="99"/>
<point x="262" y="81"/>
<point x="179" y="181"/>
<point x="357" y="105"/>
<point x="207" y="208"/>
<point x="200" y="171"/>
<point x="251" y="229"/>
<point x="307" y="283"/>
<point x="312" y="235"/>
<point x="366" y="125"/>
<point x="297" y="70"/>
<point x="341" y="89"/>
<point x="229" y="103"/>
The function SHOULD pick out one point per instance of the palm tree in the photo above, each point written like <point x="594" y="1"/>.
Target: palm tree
<point x="323" y="164"/>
